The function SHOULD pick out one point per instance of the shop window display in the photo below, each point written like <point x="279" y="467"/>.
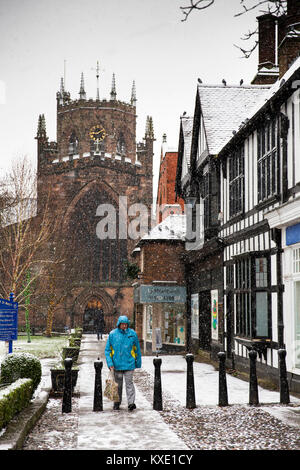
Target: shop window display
<point x="174" y="326"/>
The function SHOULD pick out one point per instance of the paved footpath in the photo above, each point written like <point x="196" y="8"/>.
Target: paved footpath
<point x="141" y="429"/>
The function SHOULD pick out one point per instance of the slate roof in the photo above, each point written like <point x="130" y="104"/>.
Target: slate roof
<point x="224" y="108"/>
<point x="273" y="91"/>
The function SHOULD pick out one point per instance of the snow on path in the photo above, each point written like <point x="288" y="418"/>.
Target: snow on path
<point x="143" y="428"/>
<point x="206" y="379"/>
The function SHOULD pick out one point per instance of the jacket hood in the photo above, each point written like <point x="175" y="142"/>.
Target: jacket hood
<point x="123" y="319"/>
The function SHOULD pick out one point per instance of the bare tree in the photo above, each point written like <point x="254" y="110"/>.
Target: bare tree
<point x="22" y="234"/>
<point x="275" y="7"/>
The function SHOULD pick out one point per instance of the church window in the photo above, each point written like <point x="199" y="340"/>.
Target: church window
<point x="73" y="144"/>
<point x="236" y="182"/>
<point x="267" y="160"/>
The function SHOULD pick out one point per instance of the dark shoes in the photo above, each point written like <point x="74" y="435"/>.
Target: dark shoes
<point x="131" y="407"/>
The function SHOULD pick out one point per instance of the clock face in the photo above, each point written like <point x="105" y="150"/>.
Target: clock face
<point x="97" y="133"/>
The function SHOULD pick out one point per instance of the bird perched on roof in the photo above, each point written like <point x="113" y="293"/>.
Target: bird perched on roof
<point x="241" y="82"/>
<point x="224" y="82"/>
<point x="199" y="80"/>
<point x="282" y="82"/>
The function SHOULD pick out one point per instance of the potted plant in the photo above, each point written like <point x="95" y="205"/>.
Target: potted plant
<point x="58" y="375"/>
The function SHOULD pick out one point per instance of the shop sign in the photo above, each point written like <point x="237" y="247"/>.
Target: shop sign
<point x="159" y="294"/>
<point x="214" y="315"/>
<point x="293" y="234"/>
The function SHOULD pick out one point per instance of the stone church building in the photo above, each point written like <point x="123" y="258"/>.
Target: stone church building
<point x="95" y="162"/>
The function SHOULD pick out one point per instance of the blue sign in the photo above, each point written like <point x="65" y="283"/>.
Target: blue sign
<point x="293" y="234"/>
<point x="8" y="319"/>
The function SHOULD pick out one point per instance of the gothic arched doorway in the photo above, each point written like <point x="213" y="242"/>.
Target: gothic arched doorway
<point x="85" y="304"/>
<point x="90" y="314"/>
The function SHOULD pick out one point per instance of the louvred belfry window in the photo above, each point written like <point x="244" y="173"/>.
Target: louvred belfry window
<point x="73" y="144"/>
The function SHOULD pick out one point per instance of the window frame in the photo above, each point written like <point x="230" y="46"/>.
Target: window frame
<point x="236" y="167"/>
<point x="245" y="294"/>
<point x="268" y="160"/>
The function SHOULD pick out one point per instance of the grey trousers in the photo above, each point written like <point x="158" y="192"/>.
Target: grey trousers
<point x="130" y="390"/>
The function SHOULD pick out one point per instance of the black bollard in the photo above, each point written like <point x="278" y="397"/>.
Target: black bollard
<point x="253" y="388"/>
<point x="67" y="393"/>
<point x="223" y="396"/>
<point x="157" y="396"/>
<point x="283" y="383"/>
<point x="98" y="401"/>
<point x="190" y="386"/>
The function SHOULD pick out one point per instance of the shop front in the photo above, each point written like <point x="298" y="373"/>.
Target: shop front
<point x="287" y="220"/>
<point x="164" y="319"/>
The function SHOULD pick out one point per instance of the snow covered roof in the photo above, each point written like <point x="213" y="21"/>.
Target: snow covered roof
<point x="172" y="227"/>
<point x="224" y="108"/>
<point x="271" y="92"/>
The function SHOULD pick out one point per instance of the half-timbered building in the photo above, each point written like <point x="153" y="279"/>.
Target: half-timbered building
<point x="218" y="110"/>
<point x="260" y="206"/>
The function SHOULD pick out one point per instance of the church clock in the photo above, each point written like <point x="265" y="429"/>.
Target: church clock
<point x="97" y="133"/>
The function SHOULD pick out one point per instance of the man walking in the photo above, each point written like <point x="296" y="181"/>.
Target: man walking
<point x="99" y="322"/>
<point x="123" y="355"/>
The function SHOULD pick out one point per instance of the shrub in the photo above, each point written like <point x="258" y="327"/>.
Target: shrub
<point x="21" y="365"/>
<point x="72" y="352"/>
<point x="13" y="399"/>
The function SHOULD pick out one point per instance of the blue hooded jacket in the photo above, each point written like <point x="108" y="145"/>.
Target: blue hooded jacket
<point x="122" y="350"/>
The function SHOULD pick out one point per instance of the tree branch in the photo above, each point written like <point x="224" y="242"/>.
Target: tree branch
<point x="195" y="5"/>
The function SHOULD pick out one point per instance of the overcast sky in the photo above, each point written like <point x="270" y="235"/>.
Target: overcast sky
<point x="141" y="40"/>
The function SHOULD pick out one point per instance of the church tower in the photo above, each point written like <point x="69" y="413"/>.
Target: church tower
<point x="94" y="164"/>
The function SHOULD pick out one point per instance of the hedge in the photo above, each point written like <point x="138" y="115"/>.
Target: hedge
<point x="19" y="366"/>
<point x="13" y="399"/>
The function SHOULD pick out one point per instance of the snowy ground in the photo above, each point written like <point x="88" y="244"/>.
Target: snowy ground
<point x="207" y="427"/>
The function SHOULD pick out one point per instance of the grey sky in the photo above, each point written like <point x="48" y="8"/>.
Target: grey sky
<point x="141" y="40"/>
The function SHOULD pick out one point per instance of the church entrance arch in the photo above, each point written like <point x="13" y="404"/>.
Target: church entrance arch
<point x="85" y="309"/>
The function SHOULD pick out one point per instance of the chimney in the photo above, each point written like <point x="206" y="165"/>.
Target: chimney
<point x="293" y="7"/>
<point x="267" y="67"/>
<point x="289" y="36"/>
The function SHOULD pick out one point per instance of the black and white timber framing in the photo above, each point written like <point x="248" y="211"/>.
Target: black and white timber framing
<point x="242" y="166"/>
<point x="260" y="176"/>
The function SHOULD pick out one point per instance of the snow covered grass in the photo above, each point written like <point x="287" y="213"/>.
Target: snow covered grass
<point x="40" y="346"/>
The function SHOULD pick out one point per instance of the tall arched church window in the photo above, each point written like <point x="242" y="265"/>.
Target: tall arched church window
<point x="73" y="144"/>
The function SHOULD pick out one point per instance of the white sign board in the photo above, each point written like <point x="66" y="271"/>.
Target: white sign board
<point x="195" y="316"/>
<point x="158" y="340"/>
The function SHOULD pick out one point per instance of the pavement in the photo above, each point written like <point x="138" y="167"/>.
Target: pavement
<point x="146" y="428"/>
